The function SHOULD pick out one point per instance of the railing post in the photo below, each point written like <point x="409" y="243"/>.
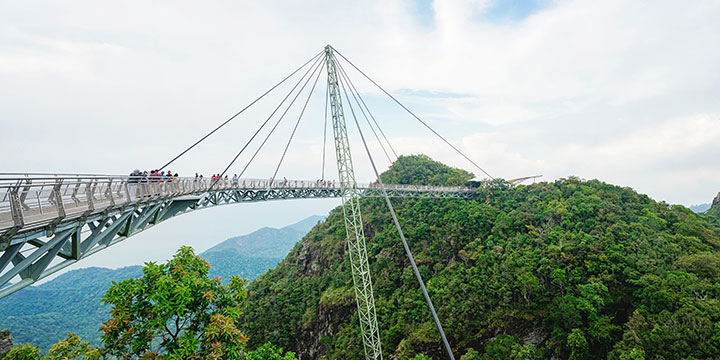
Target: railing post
<point x="127" y="192"/>
<point x="89" y="189"/>
<point x="109" y="193"/>
<point x="75" y="192"/>
<point x="16" y="208"/>
<point x="57" y="193"/>
<point x="24" y="194"/>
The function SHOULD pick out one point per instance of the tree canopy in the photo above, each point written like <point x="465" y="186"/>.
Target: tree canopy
<point x="569" y="269"/>
<point x="422" y="170"/>
<point x="174" y="311"/>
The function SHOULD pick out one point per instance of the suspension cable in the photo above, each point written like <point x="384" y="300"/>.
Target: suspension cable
<point x="302" y="112"/>
<point x="318" y="61"/>
<point x="402" y="235"/>
<point x="241" y="111"/>
<point x="347" y="81"/>
<point x="327" y="94"/>
<point x="353" y="88"/>
<point x="415" y="116"/>
<point x="319" y="65"/>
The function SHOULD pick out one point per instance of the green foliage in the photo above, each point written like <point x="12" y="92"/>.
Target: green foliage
<point x="179" y="308"/>
<point x="269" y="352"/>
<point x="422" y="170"/>
<point x="578" y="345"/>
<point x="173" y="311"/>
<point x="420" y="357"/>
<point x="23" y="352"/>
<point x="505" y="347"/>
<point x="71" y="348"/>
<point x="568" y="269"/>
<point x="471" y="354"/>
<point x="713" y="214"/>
<point x="44" y="314"/>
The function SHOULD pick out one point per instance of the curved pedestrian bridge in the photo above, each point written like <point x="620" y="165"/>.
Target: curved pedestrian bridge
<point x="49" y="221"/>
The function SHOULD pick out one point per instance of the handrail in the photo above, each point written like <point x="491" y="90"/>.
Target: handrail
<point x="31" y="201"/>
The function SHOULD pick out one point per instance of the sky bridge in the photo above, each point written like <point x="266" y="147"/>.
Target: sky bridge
<point x="50" y="221"/>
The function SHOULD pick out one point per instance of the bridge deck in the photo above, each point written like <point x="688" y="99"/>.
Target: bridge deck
<point x="27" y="204"/>
<point x="49" y="223"/>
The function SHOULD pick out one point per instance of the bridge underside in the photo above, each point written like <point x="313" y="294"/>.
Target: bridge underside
<point x="34" y="251"/>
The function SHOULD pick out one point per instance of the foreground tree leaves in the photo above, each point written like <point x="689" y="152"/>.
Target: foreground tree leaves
<point x="173" y="312"/>
<point x="175" y="309"/>
<point x="71" y="348"/>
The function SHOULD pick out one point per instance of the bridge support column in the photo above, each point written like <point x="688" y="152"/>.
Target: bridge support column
<point x="350" y="195"/>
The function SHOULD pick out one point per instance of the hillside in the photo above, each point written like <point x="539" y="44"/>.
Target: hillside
<point x="713" y="214"/>
<point x="71" y="302"/>
<point x="569" y="269"/>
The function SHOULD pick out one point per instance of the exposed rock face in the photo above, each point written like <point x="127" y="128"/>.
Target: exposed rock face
<point x="535" y="337"/>
<point x="6" y="342"/>
<point x="716" y="201"/>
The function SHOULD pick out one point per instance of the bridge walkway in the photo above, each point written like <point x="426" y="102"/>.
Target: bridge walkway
<point x="50" y="222"/>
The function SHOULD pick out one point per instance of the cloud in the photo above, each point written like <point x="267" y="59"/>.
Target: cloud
<point x="107" y="87"/>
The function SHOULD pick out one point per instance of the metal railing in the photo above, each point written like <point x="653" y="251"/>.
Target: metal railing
<point x="44" y="198"/>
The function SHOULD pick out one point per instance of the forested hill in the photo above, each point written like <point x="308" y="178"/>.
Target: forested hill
<point x="570" y="269"/>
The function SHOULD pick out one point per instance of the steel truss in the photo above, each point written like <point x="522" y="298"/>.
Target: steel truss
<point x="350" y="195"/>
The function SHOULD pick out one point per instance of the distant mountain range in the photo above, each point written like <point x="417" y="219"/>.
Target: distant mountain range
<point x="701" y="208"/>
<point x="251" y="255"/>
<point x="44" y="314"/>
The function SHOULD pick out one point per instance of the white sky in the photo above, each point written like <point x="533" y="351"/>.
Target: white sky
<point x="622" y="91"/>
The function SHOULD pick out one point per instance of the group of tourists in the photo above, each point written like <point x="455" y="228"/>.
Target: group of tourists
<point x="154" y="176"/>
<point x="325" y="183"/>
<point x="145" y="178"/>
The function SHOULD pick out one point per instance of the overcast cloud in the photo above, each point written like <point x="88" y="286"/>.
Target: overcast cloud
<point x="623" y="91"/>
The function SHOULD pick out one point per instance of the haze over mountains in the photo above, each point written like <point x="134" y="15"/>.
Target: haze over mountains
<point x="71" y="302"/>
<point x="700" y="208"/>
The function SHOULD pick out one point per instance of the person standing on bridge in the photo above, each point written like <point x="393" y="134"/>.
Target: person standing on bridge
<point x="132" y="182"/>
<point x="176" y="182"/>
<point x="235" y="181"/>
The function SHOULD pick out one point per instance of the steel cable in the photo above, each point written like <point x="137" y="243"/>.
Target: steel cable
<point x="400" y="232"/>
<point x="353" y="88"/>
<point x="318" y="61"/>
<point x="415" y="116"/>
<point x="241" y="111"/>
<point x="327" y="94"/>
<point x="280" y="119"/>
<point x="302" y="112"/>
<point x="347" y="80"/>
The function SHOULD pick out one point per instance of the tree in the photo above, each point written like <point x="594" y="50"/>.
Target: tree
<point x="269" y="352"/>
<point x="578" y="345"/>
<point x="422" y="170"/>
<point x="24" y="352"/>
<point x="175" y="310"/>
<point x="73" y="347"/>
